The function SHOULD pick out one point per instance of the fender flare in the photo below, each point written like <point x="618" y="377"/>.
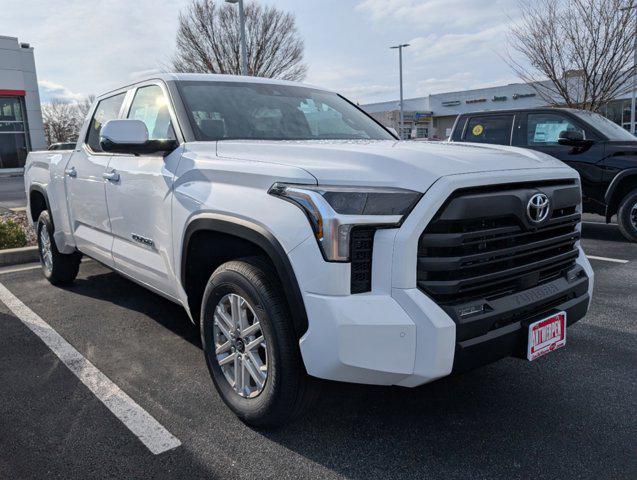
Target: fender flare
<point x="37" y="187"/>
<point x="265" y="240"/>
<point x="613" y="187"/>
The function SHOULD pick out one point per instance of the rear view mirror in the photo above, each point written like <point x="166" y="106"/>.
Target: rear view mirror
<point x="572" y="138"/>
<point x="131" y="136"/>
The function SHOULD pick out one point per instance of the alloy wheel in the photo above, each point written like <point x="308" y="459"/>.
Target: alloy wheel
<point x="45" y="248"/>
<point x="240" y="346"/>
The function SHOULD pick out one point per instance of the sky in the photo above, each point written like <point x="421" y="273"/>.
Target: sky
<point x="84" y="47"/>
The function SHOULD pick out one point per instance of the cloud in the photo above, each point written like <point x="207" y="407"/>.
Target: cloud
<point x="435" y="13"/>
<point x="54" y="91"/>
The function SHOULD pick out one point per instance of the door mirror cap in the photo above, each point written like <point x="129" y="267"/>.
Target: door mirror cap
<point x="131" y="136"/>
<point x="393" y="131"/>
<point x="572" y="138"/>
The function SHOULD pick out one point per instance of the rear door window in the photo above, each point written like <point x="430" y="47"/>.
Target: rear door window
<point x="489" y="129"/>
<point x="107" y="109"/>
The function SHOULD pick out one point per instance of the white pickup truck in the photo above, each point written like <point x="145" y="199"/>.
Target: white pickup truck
<point x="307" y="242"/>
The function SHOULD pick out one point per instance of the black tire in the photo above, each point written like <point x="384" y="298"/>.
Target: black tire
<point x="288" y="391"/>
<point x="627" y="216"/>
<point x="62" y="268"/>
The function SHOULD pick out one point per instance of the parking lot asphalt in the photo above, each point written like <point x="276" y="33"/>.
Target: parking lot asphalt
<point x="570" y="414"/>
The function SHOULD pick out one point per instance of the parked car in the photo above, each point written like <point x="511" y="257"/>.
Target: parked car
<point x="604" y="154"/>
<point x="307" y="242"/>
<point x="62" y="146"/>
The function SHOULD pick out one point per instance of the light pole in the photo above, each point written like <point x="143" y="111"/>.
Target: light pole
<point x="244" y="50"/>
<point x="400" y="68"/>
<point x="632" y="102"/>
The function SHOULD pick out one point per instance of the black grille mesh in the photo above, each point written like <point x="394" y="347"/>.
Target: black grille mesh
<point x="361" y="249"/>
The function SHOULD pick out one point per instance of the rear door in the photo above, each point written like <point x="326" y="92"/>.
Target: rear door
<point x="85" y="185"/>
<point x="139" y="195"/>
<point x="540" y="131"/>
<point x="494" y="129"/>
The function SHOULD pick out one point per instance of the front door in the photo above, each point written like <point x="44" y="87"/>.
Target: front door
<point x="138" y="194"/>
<point x="85" y="185"/>
<point x="542" y="132"/>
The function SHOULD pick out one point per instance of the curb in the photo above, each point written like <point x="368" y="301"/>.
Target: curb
<point x="16" y="256"/>
<point x="11" y="172"/>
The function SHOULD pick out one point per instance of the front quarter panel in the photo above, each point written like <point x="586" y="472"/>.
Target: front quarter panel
<point x="207" y="186"/>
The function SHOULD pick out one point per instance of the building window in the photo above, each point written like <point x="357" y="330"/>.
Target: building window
<point x="13" y="133"/>
<point x="422" y="132"/>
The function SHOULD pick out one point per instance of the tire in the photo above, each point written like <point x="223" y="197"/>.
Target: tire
<point x="287" y="390"/>
<point x="627" y="216"/>
<point x="58" y="268"/>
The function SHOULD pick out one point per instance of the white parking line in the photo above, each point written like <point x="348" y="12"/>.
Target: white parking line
<point x="141" y="423"/>
<point x="606" y="259"/>
<point x="31" y="266"/>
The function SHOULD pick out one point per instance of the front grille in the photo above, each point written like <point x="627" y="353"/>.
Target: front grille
<point x="482" y="245"/>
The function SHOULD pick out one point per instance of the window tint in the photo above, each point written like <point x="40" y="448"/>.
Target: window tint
<point x="491" y="129"/>
<point x="233" y="110"/>
<point x="150" y="105"/>
<point x="107" y="109"/>
<point x="545" y="128"/>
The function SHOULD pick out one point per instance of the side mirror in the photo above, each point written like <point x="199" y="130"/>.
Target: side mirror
<point x="131" y="136"/>
<point x="573" y="138"/>
<point x="393" y="130"/>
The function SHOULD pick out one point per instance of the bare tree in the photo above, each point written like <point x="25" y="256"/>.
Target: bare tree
<point x="83" y="107"/>
<point x="576" y="53"/>
<point x="63" y="120"/>
<point x="208" y="41"/>
<point x="60" y="121"/>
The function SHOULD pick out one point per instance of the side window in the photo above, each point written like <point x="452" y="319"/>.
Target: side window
<point x="107" y="109"/>
<point x="489" y="129"/>
<point x="545" y="128"/>
<point x="150" y="105"/>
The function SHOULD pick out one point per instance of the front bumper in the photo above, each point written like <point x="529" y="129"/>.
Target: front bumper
<point x="396" y="334"/>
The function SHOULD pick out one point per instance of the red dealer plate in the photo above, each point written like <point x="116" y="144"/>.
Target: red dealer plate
<point x="546" y="335"/>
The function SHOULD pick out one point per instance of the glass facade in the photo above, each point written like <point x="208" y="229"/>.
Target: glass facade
<point x="13" y="132"/>
<point x="618" y="111"/>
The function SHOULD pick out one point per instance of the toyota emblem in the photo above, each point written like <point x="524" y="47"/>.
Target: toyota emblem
<point x="538" y="208"/>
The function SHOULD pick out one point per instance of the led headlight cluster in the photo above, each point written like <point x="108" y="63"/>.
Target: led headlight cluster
<point x="333" y="211"/>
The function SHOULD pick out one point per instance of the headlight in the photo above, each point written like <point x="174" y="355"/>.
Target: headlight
<point x="334" y="211"/>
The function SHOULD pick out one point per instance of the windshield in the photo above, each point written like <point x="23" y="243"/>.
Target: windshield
<point x="609" y="129"/>
<point x="261" y="111"/>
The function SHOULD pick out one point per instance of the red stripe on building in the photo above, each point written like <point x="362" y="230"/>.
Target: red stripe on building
<point x="13" y="93"/>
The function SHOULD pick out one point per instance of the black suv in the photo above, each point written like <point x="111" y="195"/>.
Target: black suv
<point x="604" y="154"/>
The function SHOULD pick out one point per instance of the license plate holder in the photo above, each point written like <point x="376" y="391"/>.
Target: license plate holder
<point x="546" y="335"/>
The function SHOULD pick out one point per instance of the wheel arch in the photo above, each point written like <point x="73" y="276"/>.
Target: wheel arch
<point x="38" y="201"/>
<point x="247" y="233"/>
<point x="624" y="182"/>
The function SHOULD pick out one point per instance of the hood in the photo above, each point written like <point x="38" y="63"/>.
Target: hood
<point x="405" y="164"/>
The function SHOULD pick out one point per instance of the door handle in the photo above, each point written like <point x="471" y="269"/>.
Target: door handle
<point x="71" y="172"/>
<point x="111" y="176"/>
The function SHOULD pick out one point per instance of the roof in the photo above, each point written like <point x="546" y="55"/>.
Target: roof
<point x="211" y="77"/>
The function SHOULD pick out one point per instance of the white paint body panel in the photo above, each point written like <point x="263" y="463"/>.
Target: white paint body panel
<point x="394" y="334"/>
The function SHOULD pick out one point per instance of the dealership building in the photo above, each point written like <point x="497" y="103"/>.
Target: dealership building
<point x="433" y="116"/>
<point x="21" y="128"/>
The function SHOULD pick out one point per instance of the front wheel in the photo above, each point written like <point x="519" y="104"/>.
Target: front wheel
<point x="58" y="268"/>
<point x="627" y="216"/>
<point x="250" y="346"/>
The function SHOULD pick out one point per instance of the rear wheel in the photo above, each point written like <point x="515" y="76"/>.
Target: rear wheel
<point x="58" y="268"/>
<point x="250" y="346"/>
<point x="627" y="216"/>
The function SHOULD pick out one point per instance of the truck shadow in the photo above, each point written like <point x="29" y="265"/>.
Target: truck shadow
<point x="554" y="418"/>
<point x="602" y="231"/>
